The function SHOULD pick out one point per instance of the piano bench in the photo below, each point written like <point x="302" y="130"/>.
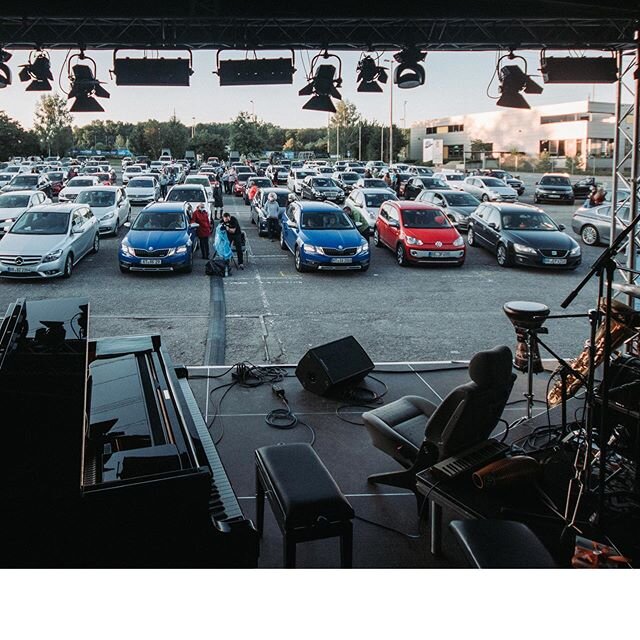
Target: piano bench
<point x="305" y="499"/>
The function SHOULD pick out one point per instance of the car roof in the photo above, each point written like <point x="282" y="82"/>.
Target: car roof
<point x="165" y="207"/>
<point x="184" y="185"/>
<point x="514" y="207"/>
<point x="560" y="175"/>
<point x="63" y="207"/>
<point x="21" y="192"/>
<point x="412" y="204"/>
<point x="365" y="190"/>
<point x="100" y="187"/>
<point x="278" y="190"/>
<point x="317" y="207"/>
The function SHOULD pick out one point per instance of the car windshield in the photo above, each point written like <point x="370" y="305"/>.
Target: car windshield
<point x="133" y="170"/>
<point x="434" y="183"/>
<point x="55" y="177"/>
<point x="203" y="180"/>
<point x="323" y="182"/>
<point x="25" y="180"/>
<point x="324" y="220"/>
<point x="282" y="199"/>
<point x="303" y="174"/>
<point x="185" y="195"/>
<point x="529" y="221"/>
<point x="75" y="182"/>
<point x="493" y="182"/>
<point x="140" y="183"/>
<point x="374" y="183"/>
<point x="350" y="177"/>
<point x="159" y="221"/>
<point x="423" y="171"/>
<point x="9" y="201"/>
<point x="459" y="199"/>
<point x="424" y="219"/>
<point x="454" y="176"/>
<point x="46" y="223"/>
<point x="261" y="182"/>
<point x="376" y="199"/>
<point x="97" y="198"/>
<point x="556" y="181"/>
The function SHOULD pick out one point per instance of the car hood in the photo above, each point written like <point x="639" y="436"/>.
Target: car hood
<point x="139" y="190"/>
<point x="428" y="236"/>
<point x="542" y="239"/>
<point x="503" y="191"/>
<point x="327" y="189"/>
<point x="554" y="187"/>
<point x="74" y="190"/>
<point x="332" y="238"/>
<point x="18" y="244"/>
<point x="157" y="239"/>
<point x="465" y="211"/>
<point x="11" y="187"/>
<point x="101" y="212"/>
<point x="11" y="212"/>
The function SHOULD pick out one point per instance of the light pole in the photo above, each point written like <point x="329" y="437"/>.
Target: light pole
<point x="253" y="110"/>
<point x="390" y="61"/>
<point x="404" y="114"/>
<point x="193" y="126"/>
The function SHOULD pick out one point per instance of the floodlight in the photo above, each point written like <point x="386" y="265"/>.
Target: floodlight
<point x="322" y="85"/>
<point x="38" y="70"/>
<point x="409" y="73"/>
<point x="370" y="75"/>
<point x="84" y="85"/>
<point x="253" y="71"/>
<point x="514" y="81"/>
<point x="152" y="72"/>
<point x="579" y="70"/>
<point x="5" y="72"/>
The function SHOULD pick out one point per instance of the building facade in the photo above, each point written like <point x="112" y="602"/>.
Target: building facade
<point x="584" y="128"/>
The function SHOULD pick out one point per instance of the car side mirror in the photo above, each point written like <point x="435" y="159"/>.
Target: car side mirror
<point x="394" y="223"/>
<point x="127" y="224"/>
<point x="561" y="227"/>
<point x="537" y="183"/>
<point x="493" y="225"/>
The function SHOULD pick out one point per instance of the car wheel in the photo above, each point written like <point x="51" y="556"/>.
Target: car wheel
<point x="401" y="257"/>
<point x="536" y="200"/>
<point x="471" y="238"/>
<point x="68" y="266"/>
<point x="298" y="261"/>
<point x="253" y="220"/>
<point x="589" y="235"/>
<point x="365" y="268"/>
<point x="485" y="197"/>
<point x="189" y="267"/>
<point x="96" y="243"/>
<point x="572" y="201"/>
<point x="502" y="256"/>
<point x="376" y="237"/>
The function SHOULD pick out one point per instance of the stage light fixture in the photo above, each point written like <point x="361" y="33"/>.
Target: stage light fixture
<point x="84" y="85"/>
<point x="255" y="71"/>
<point x="409" y="73"/>
<point x="322" y="85"/>
<point x="38" y="70"/>
<point x="5" y="72"/>
<point x="514" y="81"/>
<point x="152" y="72"/>
<point x="370" y="75"/>
<point x="578" y="70"/>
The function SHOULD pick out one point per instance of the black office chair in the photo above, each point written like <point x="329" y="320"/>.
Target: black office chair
<point x="417" y="434"/>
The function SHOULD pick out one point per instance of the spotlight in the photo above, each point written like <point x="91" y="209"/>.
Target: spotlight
<point x="409" y="73"/>
<point x="513" y="81"/>
<point x="38" y="70"/>
<point x="322" y="85"/>
<point x="369" y="75"/>
<point x="84" y="85"/>
<point x="5" y="72"/>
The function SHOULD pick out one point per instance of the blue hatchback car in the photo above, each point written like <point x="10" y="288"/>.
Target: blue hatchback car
<point x="160" y="239"/>
<point x="321" y="236"/>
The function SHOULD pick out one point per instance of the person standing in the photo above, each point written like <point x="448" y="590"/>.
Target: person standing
<point x="272" y="210"/>
<point x="225" y="180"/>
<point x="203" y="232"/>
<point x="163" y="184"/>
<point x="597" y="197"/>
<point x="234" y="232"/>
<point x="216" y="214"/>
<point x="233" y="176"/>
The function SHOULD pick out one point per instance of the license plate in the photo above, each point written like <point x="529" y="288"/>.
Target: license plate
<point x="18" y="269"/>
<point x="554" y="195"/>
<point x="151" y="261"/>
<point x="438" y="254"/>
<point x="554" y="261"/>
<point x="341" y="260"/>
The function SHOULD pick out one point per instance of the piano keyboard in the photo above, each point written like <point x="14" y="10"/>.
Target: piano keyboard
<point x="470" y="459"/>
<point x="223" y="504"/>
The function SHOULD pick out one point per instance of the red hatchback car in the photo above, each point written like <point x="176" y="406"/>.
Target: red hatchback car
<point x="418" y="233"/>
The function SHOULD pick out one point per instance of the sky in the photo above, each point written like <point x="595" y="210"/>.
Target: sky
<point x="456" y="84"/>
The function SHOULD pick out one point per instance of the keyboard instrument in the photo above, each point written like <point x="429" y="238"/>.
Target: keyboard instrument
<point x="470" y="459"/>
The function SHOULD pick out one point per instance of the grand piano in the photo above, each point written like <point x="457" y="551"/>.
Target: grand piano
<point x="107" y="461"/>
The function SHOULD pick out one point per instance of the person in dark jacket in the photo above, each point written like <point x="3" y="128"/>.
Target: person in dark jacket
<point x="201" y="216"/>
<point x="234" y="232"/>
<point x="216" y="214"/>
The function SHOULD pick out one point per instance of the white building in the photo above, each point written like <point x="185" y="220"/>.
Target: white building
<point x="583" y="128"/>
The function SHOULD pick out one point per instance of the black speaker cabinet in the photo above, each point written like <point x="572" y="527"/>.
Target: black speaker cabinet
<point x="334" y="367"/>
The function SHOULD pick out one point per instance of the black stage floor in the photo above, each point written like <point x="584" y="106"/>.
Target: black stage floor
<point x="236" y="416"/>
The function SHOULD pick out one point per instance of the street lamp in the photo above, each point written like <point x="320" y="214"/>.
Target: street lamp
<point x="193" y="126"/>
<point x="253" y="110"/>
<point x="390" y="61"/>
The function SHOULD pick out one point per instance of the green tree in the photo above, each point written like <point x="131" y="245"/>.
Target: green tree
<point x="175" y="136"/>
<point x="52" y="124"/>
<point x="245" y="135"/>
<point x="11" y="136"/>
<point x="207" y="143"/>
<point x="343" y="129"/>
<point x="544" y="163"/>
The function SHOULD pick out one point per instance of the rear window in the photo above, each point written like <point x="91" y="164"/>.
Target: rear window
<point x="79" y="182"/>
<point x="376" y="199"/>
<point x="141" y="183"/>
<point x="184" y="195"/>
<point x="424" y="219"/>
<point x="556" y="181"/>
<point x="493" y="182"/>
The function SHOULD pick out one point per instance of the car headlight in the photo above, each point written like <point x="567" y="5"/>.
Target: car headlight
<point x="458" y="242"/>
<point x="363" y="248"/>
<point x="181" y="249"/>
<point x="522" y="248"/>
<point x="412" y="240"/>
<point x="54" y="255"/>
<point x="575" y="251"/>
<point x="127" y="250"/>
<point x="309" y="248"/>
<point x="108" y="216"/>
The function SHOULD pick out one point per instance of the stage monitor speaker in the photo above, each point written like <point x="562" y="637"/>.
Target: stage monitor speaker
<point x="334" y="367"/>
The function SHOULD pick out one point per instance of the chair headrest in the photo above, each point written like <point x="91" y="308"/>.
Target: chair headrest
<point x="491" y="367"/>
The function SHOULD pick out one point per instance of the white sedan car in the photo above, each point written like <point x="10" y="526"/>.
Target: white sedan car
<point x="75" y="186"/>
<point x="110" y="206"/>
<point x="296" y="176"/>
<point x="191" y="194"/>
<point x="452" y="178"/>
<point x="131" y="172"/>
<point x="203" y="180"/>
<point x="15" y="203"/>
<point x="489" y="189"/>
<point x="143" y="190"/>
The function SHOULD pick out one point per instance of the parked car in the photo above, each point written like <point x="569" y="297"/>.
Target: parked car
<point x="110" y="206"/>
<point x="57" y="179"/>
<point x="14" y="204"/>
<point x="582" y="188"/>
<point x="258" y="216"/>
<point x="191" y="194"/>
<point x="130" y="172"/>
<point x="371" y="183"/>
<point x="71" y="190"/>
<point x="365" y="204"/>
<point x="259" y="183"/>
<point x="48" y="241"/>
<point x="417" y="184"/>
<point x="321" y="188"/>
<point x="161" y="238"/>
<point x="346" y="179"/>
<point x="143" y="190"/>
<point x="458" y="205"/>
<point x="487" y="188"/>
<point x="452" y="178"/>
<point x="554" y="187"/>
<point x="277" y="173"/>
<point x="296" y="176"/>
<point x="513" y="181"/>
<point x="322" y="237"/>
<point x="593" y="224"/>
<point x="240" y="185"/>
<point x="28" y="182"/>
<point x="418" y="233"/>
<point x="5" y="178"/>
<point x="520" y="234"/>
<point x="203" y="180"/>
<point x="421" y="171"/>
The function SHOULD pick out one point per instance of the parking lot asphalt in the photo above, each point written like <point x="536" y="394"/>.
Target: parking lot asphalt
<point x="274" y="314"/>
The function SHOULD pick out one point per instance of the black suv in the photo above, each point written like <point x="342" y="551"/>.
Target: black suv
<point x="554" y="187"/>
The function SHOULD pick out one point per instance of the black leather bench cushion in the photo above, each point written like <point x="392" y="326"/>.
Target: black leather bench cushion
<point x="305" y="488"/>
<point x="501" y="544"/>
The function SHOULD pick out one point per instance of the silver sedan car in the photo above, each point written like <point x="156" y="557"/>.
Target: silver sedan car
<point x="593" y="224"/>
<point x="47" y="241"/>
